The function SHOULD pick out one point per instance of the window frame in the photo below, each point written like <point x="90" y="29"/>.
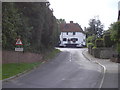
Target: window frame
<point x="64" y="39"/>
<point x="74" y="33"/>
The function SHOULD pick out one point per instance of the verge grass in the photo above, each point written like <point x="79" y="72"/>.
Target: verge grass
<point x="51" y="54"/>
<point x="12" y="69"/>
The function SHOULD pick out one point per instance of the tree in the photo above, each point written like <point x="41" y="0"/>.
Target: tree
<point x="11" y="21"/>
<point x="95" y="28"/>
<point x="60" y="21"/>
<point x="115" y="33"/>
<point x="33" y="22"/>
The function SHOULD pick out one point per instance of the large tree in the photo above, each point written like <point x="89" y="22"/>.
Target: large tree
<point x="33" y="22"/>
<point x="115" y="33"/>
<point x="61" y="21"/>
<point x="95" y="28"/>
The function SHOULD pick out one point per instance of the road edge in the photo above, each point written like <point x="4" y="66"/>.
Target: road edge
<point x="104" y="68"/>
<point x="26" y="71"/>
<point x="22" y="73"/>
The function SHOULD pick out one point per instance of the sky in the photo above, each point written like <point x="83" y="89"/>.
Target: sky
<point x="81" y="11"/>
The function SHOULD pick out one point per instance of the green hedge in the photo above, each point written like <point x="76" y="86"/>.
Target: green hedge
<point x="107" y="41"/>
<point x="91" y="39"/>
<point x="99" y="43"/>
<point x="90" y="45"/>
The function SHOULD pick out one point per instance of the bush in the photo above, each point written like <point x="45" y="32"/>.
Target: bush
<point x="91" y="39"/>
<point x="94" y="47"/>
<point x="90" y="45"/>
<point x="107" y="41"/>
<point x="99" y="43"/>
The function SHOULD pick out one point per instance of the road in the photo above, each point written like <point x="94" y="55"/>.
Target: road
<point x="69" y="69"/>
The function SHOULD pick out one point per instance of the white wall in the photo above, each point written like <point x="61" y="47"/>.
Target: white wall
<point x="81" y="37"/>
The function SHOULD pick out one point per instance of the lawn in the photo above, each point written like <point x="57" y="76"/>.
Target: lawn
<point x="12" y="69"/>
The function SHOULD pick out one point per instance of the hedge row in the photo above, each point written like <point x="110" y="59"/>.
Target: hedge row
<point x="100" y="42"/>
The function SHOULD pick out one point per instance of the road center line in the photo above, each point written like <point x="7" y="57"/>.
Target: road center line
<point x="70" y="57"/>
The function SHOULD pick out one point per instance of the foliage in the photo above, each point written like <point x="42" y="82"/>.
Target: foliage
<point x="60" y="21"/>
<point x="99" y="43"/>
<point x="51" y="54"/>
<point x="106" y="32"/>
<point x="90" y="45"/>
<point x="33" y="22"/>
<point x="107" y="40"/>
<point x="11" y="21"/>
<point x="115" y="34"/>
<point x="115" y="31"/>
<point x="95" y="28"/>
<point x="94" y="47"/>
<point x="91" y="39"/>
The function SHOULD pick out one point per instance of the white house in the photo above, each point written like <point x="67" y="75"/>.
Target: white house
<point x="72" y="35"/>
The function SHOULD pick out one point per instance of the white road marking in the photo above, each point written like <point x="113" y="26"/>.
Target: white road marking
<point x="104" y="69"/>
<point x="70" y="57"/>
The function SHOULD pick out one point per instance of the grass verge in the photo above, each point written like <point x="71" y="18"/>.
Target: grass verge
<point x="51" y="54"/>
<point x="12" y="69"/>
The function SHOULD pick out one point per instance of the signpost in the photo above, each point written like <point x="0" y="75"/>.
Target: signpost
<point x="19" y="45"/>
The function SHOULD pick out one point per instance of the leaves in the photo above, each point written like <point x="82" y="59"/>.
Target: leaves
<point x="115" y="31"/>
<point x="33" y="22"/>
<point x="115" y="34"/>
<point x="95" y="28"/>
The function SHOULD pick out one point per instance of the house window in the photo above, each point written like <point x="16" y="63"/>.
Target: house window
<point x="66" y="33"/>
<point x="74" y="39"/>
<point x="64" y="39"/>
<point x="73" y="33"/>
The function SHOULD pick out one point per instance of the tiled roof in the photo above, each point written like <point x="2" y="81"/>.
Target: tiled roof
<point x="70" y="27"/>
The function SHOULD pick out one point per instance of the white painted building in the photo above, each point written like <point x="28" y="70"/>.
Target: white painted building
<point x="72" y="35"/>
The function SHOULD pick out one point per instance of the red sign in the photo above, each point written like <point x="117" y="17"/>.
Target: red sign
<point x="18" y="42"/>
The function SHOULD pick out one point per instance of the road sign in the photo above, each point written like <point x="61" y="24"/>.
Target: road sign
<point x="19" y="49"/>
<point x="18" y="45"/>
<point x="18" y="42"/>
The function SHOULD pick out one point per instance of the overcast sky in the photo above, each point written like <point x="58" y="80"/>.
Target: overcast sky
<point x="81" y="11"/>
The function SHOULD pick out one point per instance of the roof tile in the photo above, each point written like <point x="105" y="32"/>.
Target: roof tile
<point x="70" y="27"/>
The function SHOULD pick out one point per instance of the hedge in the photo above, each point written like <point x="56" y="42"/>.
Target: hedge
<point x="107" y="41"/>
<point x="99" y="43"/>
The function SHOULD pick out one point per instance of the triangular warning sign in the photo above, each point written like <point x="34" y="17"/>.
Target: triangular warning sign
<point x="18" y="42"/>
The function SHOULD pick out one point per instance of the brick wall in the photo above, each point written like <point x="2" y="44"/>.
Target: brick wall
<point x="14" y="57"/>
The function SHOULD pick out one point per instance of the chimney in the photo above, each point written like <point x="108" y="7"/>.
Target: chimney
<point x="71" y="21"/>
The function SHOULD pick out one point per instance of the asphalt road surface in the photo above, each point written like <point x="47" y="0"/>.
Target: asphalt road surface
<point x="69" y="69"/>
